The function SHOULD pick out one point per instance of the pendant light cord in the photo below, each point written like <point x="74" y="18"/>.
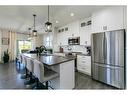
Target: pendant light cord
<point x="48" y="13"/>
<point x="34" y="20"/>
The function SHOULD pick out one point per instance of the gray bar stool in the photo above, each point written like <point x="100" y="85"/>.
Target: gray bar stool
<point x="24" y="61"/>
<point x="19" y="60"/>
<point x="30" y="68"/>
<point x="43" y="75"/>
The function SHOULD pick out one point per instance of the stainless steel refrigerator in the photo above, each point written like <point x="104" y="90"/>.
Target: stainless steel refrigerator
<point x="108" y="57"/>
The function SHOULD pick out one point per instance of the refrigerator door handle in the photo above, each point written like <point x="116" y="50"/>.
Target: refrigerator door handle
<point x="105" y="48"/>
<point x="108" y="66"/>
<point x="102" y="48"/>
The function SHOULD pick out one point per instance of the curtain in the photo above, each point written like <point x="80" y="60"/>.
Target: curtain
<point x="12" y="45"/>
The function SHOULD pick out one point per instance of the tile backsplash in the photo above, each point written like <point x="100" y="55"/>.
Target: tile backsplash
<point x="75" y="48"/>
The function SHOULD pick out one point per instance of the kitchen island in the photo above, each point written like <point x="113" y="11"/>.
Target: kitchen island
<point x="64" y="66"/>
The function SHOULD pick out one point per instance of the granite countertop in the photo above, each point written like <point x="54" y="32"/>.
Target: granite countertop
<point x="60" y="52"/>
<point x="50" y="60"/>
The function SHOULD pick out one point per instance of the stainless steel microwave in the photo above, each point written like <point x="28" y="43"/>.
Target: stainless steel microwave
<point x="74" y="41"/>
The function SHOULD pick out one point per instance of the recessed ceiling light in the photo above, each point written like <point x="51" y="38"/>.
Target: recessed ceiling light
<point x="57" y="21"/>
<point x="71" y="14"/>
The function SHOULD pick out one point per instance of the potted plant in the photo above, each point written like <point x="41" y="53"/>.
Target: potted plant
<point x="6" y="57"/>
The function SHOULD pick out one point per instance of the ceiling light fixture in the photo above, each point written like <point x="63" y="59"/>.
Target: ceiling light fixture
<point x="71" y="14"/>
<point x="34" y="31"/>
<point x="57" y="21"/>
<point x="48" y="24"/>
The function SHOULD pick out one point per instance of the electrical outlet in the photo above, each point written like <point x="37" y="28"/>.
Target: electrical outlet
<point x="86" y="42"/>
<point x="104" y="27"/>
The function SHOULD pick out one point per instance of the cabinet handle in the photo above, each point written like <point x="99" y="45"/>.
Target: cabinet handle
<point x="84" y="61"/>
<point x="83" y="68"/>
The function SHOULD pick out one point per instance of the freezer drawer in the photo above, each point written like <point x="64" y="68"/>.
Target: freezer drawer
<point x="108" y="74"/>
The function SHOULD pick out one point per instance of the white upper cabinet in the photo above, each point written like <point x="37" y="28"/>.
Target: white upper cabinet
<point x="107" y="19"/>
<point x="85" y="37"/>
<point x="72" y="31"/>
<point x="85" y="32"/>
<point x="62" y="38"/>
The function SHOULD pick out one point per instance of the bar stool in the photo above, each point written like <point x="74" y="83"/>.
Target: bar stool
<point x="19" y="60"/>
<point x="24" y="61"/>
<point x="42" y="75"/>
<point x="30" y="68"/>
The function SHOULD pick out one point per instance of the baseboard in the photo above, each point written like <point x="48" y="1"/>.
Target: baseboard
<point x="8" y="62"/>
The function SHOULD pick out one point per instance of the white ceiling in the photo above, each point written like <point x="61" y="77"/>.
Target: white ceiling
<point x="20" y="18"/>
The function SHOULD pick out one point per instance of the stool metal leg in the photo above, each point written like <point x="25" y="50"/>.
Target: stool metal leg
<point x="24" y="76"/>
<point x="46" y="84"/>
<point x="31" y="79"/>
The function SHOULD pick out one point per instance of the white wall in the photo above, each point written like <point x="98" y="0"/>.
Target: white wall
<point x="22" y="36"/>
<point x="3" y="34"/>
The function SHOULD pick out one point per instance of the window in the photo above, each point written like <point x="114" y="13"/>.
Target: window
<point x="48" y="40"/>
<point x="24" y="46"/>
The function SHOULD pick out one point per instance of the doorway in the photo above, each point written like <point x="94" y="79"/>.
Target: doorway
<point x="23" y="46"/>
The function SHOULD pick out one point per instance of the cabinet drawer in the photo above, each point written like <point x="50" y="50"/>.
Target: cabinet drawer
<point x="84" y="66"/>
<point x="83" y="69"/>
<point x="85" y="63"/>
<point x="84" y="59"/>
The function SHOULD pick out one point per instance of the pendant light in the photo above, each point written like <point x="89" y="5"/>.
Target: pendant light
<point x="29" y="37"/>
<point x="48" y="24"/>
<point x="34" y="31"/>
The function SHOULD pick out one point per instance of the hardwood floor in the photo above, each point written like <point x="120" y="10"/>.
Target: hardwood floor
<point x="10" y="79"/>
